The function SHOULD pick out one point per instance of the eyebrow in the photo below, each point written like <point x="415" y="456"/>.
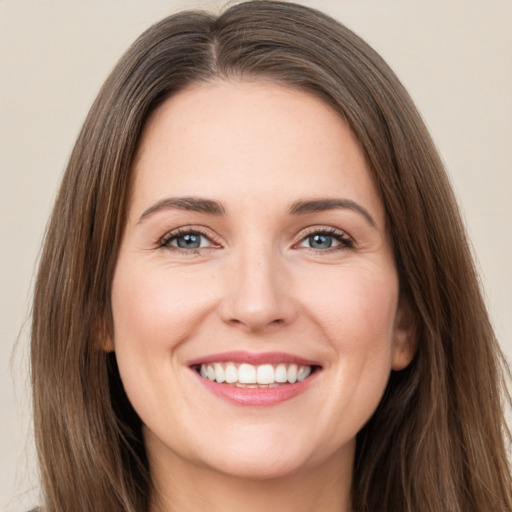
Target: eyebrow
<point x="209" y="206"/>
<point x="194" y="204"/>
<point x="322" y="205"/>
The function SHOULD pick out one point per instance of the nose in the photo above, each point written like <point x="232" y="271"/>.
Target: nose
<point x="258" y="297"/>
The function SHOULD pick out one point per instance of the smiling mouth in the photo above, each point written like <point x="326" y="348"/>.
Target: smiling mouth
<point x="244" y="375"/>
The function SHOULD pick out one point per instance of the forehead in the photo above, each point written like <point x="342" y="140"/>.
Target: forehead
<point x="235" y="141"/>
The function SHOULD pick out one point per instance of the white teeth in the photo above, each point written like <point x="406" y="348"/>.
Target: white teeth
<point x="292" y="373"/>
<point x="231" y="373"/>
<point x="220" y="375"/>
<point x="248" y="375"/>
<point x="281" y="373"/>
<point x="303" y="373"/>
<point x="265" y="374"/>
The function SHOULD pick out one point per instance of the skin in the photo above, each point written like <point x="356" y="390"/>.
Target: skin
<point x="256" y="284"/>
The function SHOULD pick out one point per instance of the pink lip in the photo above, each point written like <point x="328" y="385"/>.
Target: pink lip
<point x="256" y="396"/>
<point x="252" y="358"/>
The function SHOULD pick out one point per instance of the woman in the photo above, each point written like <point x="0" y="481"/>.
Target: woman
<point x="256" y="290"/>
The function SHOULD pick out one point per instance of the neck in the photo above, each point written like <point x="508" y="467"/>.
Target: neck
<point x="180" y="486"/>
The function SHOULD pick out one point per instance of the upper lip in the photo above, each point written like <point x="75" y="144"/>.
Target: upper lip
<point x="253" y="358"/>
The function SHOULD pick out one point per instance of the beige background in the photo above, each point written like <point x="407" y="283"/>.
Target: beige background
<point x="454" y="56"/>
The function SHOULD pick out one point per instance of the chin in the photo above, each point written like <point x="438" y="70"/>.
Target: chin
<point x="262" y="455"/>
<point x="262" y="466"/>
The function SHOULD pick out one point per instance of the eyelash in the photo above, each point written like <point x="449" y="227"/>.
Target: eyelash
<point x="338" y="235"/>
<point x="165" y="242"/>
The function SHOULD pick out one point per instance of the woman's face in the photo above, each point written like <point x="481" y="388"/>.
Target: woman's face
<point x="255" y="298"/>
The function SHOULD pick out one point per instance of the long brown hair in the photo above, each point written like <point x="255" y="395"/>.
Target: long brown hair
<point x="436" y="442"/>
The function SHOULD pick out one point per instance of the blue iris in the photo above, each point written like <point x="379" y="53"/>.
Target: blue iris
<point x="189" y="241"/>
<point x="320" y="241"/>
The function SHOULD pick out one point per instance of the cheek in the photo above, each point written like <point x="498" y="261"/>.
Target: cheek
<point x="357" y="317"/>
<point x="155" y="311"/>
<point x="355" y="302"/>
<point x="156" y="308"/>
<point x="355" y="311"/>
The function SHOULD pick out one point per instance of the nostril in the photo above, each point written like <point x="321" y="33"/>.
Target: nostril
<point x="255" y="322"/>
<point x="257" y="300"/>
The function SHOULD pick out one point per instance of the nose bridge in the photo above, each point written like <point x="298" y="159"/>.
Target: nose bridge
<point x="258" y="294"/>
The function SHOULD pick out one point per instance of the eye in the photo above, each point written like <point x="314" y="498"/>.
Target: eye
<point x="326" y="239"/>
<point x="184" y="239"/>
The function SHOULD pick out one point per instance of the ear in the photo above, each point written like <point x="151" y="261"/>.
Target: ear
<point x="107" y="344"/>
<point x="405" y="336"/>
<point x="103" y="337"/>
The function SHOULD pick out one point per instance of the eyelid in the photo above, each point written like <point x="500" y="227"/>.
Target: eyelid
<point x="345" y="240"/>
<point x="163" y="242"/>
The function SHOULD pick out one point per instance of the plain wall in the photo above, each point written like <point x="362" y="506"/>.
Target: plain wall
<point x="455" y="57"/>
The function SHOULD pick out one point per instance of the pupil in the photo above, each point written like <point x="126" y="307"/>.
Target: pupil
<point x="320" y="241"/>
<point x="189" y="241"/>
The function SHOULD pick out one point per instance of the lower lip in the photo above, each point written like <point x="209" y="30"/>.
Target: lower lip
<point x="256" y="396"/>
